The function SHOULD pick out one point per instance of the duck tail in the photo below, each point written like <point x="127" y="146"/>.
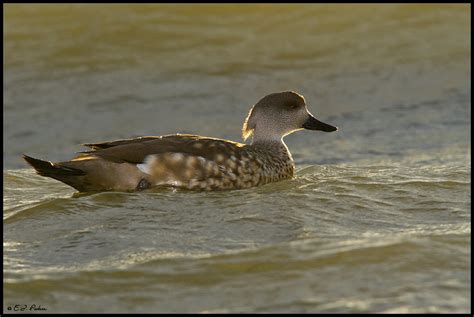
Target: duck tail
<point x="45" y="168"/>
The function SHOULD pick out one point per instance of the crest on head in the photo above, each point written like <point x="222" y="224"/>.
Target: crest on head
<point x="271" y="107"/>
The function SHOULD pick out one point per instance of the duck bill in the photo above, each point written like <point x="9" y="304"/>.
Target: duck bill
<point x="314" y="124"/>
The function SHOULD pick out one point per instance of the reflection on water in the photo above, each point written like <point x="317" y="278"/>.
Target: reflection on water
<point x="377" y="214"/>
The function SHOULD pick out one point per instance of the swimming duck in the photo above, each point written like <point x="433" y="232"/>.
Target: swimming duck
<point x="192" y="161"/>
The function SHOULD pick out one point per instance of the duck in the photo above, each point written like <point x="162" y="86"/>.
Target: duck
<point x="192" y="161"/>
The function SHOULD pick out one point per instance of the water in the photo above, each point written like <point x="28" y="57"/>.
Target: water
<point x="377" y="218"/>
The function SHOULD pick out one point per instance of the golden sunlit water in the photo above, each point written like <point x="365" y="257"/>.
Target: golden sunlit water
<point x="377" y="219"/>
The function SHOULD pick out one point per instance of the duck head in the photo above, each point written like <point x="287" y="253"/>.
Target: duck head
<point x="279" y="114"/>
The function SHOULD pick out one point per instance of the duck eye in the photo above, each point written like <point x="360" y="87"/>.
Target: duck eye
<point x="292" y="106"/>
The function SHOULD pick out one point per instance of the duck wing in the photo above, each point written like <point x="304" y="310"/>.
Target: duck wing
<point x="136" y="150"/>
<point x="105" y="145"/>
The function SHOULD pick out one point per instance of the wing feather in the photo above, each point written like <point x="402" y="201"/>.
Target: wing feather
<point x="136" y="150"/>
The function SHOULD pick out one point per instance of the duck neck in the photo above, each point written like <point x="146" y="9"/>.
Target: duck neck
<point x="266" y="136"/>
<point x="271" y="142"/>
<point x="267" y="140"/>
<point x="276" y="153"/>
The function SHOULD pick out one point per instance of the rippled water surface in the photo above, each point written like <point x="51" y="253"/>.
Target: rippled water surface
<point x="377" y="218"/>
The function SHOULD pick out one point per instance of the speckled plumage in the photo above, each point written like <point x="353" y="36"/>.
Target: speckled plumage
<point x="191" y="161"/>
<point x="234" y="166"/>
